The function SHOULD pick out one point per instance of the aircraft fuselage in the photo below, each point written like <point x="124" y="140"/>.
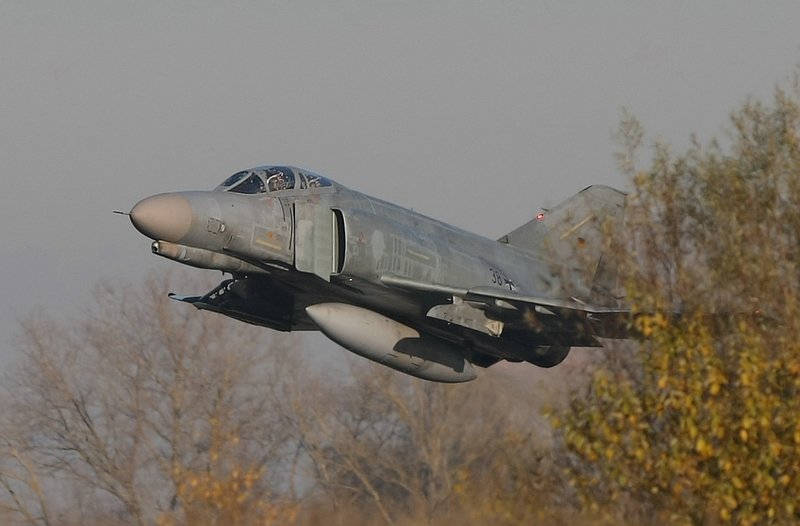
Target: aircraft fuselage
<point x="314" y="255"/>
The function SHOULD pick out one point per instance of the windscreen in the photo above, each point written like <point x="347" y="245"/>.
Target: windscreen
<point x="252" y="185"/>
<point x="235" y="178"/>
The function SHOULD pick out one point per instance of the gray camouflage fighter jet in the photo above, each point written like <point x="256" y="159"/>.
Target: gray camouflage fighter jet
<point x="392" y="285"/>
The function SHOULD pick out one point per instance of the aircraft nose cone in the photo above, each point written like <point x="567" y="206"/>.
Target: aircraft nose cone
<point x="163" y="217"/>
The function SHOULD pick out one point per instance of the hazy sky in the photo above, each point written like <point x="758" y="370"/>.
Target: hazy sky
<point x="476" y="113"/>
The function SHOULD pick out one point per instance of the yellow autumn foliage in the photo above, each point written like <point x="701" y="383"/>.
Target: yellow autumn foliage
<point x="229" y="497"/>
<point x="711" y="390"/>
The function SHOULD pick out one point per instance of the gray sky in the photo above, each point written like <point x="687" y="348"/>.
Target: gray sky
<point x="474" y="112"/>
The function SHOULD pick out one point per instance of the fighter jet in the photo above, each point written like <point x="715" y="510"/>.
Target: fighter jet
<point x="305" y="253"/>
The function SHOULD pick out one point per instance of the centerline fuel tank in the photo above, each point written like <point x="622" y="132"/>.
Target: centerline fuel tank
<point x="391" y="343"/>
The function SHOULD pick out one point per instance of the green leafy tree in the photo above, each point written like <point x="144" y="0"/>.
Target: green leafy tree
<point x="701" y="423"/>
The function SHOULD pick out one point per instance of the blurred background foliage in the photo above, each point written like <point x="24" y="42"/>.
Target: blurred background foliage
<point x="699" y="425"/>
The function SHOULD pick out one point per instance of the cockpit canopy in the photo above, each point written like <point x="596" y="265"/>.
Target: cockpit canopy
<point x="272" y="179"/>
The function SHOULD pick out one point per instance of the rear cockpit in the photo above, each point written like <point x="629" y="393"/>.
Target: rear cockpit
<point x="263" y="179"/>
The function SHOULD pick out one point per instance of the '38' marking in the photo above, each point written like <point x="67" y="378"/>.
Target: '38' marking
<point x="499" y="278"/>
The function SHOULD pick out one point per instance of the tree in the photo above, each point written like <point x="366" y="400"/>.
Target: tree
<point x="384" y="448"/>
<point x="702" y="425"/>
<point x="142" y="411"/>
<point x="399" y="445"/>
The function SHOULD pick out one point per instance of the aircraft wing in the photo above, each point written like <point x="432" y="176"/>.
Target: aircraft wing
<point x="599" y="320"/>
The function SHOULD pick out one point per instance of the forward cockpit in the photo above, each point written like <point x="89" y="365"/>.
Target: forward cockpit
<point x="270" y="179"/>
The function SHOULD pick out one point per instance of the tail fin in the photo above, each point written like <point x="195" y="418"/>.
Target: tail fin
<point x="575" y="237"/>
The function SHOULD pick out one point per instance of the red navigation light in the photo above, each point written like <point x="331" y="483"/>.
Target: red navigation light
<point x="540" y="216"/>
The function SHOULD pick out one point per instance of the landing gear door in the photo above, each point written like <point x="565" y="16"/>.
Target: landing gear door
<point x="314" y="243"/>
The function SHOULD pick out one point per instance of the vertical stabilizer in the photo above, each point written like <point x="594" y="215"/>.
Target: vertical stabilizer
<point x="576" y="237"/>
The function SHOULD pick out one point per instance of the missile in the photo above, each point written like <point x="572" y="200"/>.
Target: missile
<point x="202" y="258"/>
<point x="391" y="343"/>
